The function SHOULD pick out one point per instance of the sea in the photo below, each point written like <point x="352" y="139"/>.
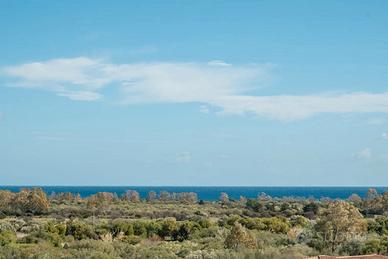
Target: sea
<point x="211" y="193"/>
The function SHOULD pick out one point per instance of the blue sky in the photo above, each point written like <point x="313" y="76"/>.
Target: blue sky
<point x="194" y="93"/>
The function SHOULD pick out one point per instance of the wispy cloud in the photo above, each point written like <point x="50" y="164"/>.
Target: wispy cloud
<point x="83" y="78"/>
<point x="77" y="78"/>
<point x="288" y="107"/>
<point x="365" y="153"/>
<point x="227" y="88"/>
<point x="80" y="95"/>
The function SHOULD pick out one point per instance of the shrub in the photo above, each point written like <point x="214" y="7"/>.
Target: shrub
<point x="80" y="230"/>
<point x="239" y="237"/>
<point x="7" y="237"/>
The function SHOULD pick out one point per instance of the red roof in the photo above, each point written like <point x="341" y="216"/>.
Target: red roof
<point x="350" y="257"/>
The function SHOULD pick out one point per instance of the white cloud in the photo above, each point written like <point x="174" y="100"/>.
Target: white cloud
<point x="384" y="136"/>
<point x="365" y="153"/>
<point x="81" y="95"/>
<point x="219" y="63"/>
<point x="226" y="87"/>
<point x="82" y="79"/>
<point x="77" y="78"/>
<point x="288" y="107"/>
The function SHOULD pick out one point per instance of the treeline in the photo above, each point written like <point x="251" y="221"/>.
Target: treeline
<point x="168" y="225"/>
<point x="24" y="202"/>
<point x="129" y="195"/>
<point x="35" y="201"/>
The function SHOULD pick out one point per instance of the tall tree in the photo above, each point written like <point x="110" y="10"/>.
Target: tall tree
<point x="339" y="222"/>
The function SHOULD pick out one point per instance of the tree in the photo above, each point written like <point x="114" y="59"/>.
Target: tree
<point x="384" y="202"/>
<point x="37" y="201"/>
<point x="151" y="196"/>
<point x="355" y="199"/>
<point x="189" y="197"/>
<point x="224" y="198"/>
<point x="30" y="201"/>
<point x="6" y="198"/>
<point x="99" y="202"/>
<point x="132" y="196"/>
<point x="239" y="237"/>
<point x="339" y="222"/>
<point x="185" y="230"/>
<point x="243" y="200"/>
<point x="372" y="194"/>
<point x="164" y="196"/>
<point x="263" y="196"/>
<point x="168" y="227"/>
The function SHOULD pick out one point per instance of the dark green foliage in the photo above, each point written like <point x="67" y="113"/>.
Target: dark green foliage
<point x="310" y="210"/>
<point x="275" y="224"/>
<point x="122" y="226"/>
<point x="185" y="230"/>
<point x="80" y="230"/>
<point x="379" y="225"/>
<point x="168" y="228"/>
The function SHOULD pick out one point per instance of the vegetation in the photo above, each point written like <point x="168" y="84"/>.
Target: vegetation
<point x="171" y="225"/>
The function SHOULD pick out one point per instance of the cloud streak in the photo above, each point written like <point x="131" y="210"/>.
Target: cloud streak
<point x="365" y="153"/>
<point x="288" y="107"/>
<point x="228" y="88"/>
<point x="83" y="79"/>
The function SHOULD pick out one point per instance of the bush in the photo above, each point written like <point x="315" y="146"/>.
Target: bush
<point x="239" y="237"/>
<point x="168" y="227"/>
<point x="41" y="237"/>
<point x="80" y="230"/>
<point x="122" y="226"/>
<point x="378" y="225"/>
<point x="7" y="237"/>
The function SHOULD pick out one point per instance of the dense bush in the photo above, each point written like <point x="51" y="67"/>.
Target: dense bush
<point x="174" y="225"/>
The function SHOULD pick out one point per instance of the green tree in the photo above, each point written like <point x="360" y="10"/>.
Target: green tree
<point x="339" y="222"/>
<point x="239" y="237"/>
<point x="168" y="227"/>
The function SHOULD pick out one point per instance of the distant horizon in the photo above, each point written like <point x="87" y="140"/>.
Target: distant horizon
<point x="216" y="186"/>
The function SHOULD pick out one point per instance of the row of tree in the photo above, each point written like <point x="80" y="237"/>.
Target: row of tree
<point x="26" y="201"/>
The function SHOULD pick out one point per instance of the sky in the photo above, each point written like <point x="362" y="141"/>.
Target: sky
<point x="231" y="93"/>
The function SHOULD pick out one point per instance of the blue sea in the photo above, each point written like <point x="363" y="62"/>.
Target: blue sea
<point x="213" y="193"/>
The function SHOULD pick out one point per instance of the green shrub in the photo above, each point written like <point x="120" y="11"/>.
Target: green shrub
<point x="7" y="237"/>
<point x="80" y="230"/>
